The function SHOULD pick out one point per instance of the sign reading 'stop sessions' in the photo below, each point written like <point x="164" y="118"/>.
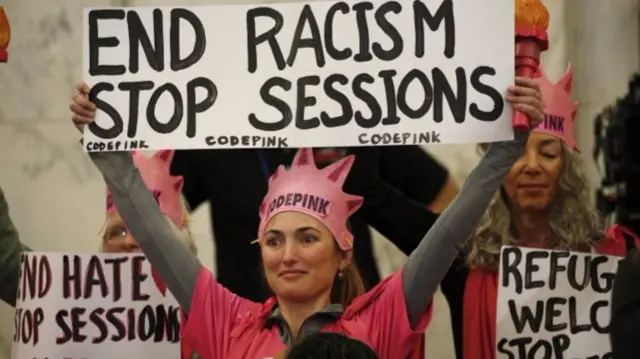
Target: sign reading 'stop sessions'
<point x="299" y="74"/>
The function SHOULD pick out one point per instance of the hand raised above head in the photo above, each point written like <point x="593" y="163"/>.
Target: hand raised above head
<point x="525" y="96"/>
<point x="83" y="111"/>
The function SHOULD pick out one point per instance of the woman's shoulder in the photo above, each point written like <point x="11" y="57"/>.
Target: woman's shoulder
<point x="392" y="283"/>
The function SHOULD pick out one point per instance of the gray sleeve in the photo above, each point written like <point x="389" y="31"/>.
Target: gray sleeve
<point x="176" y="265"/>
<point x="428" y="264"/>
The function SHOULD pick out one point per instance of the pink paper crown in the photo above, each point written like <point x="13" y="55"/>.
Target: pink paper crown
<point x="165" y="188"/>
<point x="318" y="193"/>
<point x="560" y="112"/>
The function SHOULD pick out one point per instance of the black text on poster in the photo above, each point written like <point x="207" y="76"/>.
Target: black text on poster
<point x="434" y="82"/>
<point x="154" y="53"/>
<point x="86" y="280"/>
<point x="545" y="316"/>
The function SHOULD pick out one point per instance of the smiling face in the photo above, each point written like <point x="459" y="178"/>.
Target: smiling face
<point x="300" y="257"/>
<point x="532" y="182"/>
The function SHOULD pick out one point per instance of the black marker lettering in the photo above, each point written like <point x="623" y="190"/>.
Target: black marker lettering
<point x="96" y="42"/>
<point x="134" y="89"/>
<point x="510" y="259"/>
<point x="116" y="270"/>
<point x="484" y="89"/>
<point x="304" y="101"/>
<point x="339" y="97"/>
<point x="95" y="277"/>
<point x="71" y="276"/>
<point x="118" y="124"/>
<point x="390" y="90"/>
<point x="442" y="89"/>
<point x="138" y="37"/>
<point x="445" y="14"/>
<point x="389" y="30"/>
<point x="531" y="268"/>
<point x="193" y="107"/>
<point x="403" y="88"/>
<point x="361" y="93"/>
<point x="269" y="36"/>
<point x="555" y="268"/>
<point x="178" y="111"/>
<point x="273" y="101"/>
<point x="364" y="53"/>
<point x="329" y="35"/>
<point x="199" y="45"/>
<point x="137" y="278"/>
<point x="314" y="42"/>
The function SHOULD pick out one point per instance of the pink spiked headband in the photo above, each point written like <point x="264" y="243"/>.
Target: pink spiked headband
<point x="560" y="110"/>
<point x="318" y="193"/>
<point x="165" y="188"/>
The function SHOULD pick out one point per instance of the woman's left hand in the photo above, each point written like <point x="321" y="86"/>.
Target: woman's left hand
<point x="526" y="97"/>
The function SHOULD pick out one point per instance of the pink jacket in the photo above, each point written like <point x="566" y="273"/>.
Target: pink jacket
<point x="222" y="325"/>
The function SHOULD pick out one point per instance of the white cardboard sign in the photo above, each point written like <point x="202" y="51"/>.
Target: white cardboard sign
<point x="93" y="306"/>
<point x="554" y="304"/>
<point x="325" y="73"/>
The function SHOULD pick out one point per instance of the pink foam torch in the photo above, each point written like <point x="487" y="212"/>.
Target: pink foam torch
<point x="5" y="35"/>
<point x="532" y="21"/>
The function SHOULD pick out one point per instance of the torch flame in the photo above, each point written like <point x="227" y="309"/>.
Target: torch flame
<point x="532" y="14"/>
<point x="5" y="30"/>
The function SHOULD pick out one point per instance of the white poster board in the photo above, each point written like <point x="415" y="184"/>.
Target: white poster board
<point x="318" y="74"/>
<point x="93" y="306"/>
<point x="554" y="304"/>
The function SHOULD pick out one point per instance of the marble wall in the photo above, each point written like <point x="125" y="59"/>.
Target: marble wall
<point x="56" y="197"/>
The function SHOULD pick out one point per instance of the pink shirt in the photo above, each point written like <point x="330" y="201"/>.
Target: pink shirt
<point x="222" y="325"/>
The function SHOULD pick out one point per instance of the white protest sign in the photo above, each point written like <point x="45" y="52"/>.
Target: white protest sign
<point x="99" y="306"/>
<point x="317" y="74"/>
<point x="554" y="304"/>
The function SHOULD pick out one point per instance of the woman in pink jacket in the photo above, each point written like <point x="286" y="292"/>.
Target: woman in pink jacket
<point x="307" y="254"/>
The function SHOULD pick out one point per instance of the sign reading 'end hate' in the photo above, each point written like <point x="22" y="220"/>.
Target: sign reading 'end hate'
<point x="93" y="307"/>
<point x="293" y="75"/>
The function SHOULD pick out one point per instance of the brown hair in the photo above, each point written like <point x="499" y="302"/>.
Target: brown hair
<point x="348" y="286"/>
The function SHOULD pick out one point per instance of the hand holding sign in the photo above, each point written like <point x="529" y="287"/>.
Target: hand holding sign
<point x="526" y="97"/>
<point x="84" y="111"/>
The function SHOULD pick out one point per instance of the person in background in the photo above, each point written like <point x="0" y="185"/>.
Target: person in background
<point x="329" y="346"/>
<point x="167" y="190"/>
<point x="543" y="203"/>
<point x="307" y="256"/>
<point x="10" y="250"/>
<point x="116" y="237"/>
<point x="625" y="303"/>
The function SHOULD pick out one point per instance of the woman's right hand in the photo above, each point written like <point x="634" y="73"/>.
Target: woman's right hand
<point x="83" y="111"/>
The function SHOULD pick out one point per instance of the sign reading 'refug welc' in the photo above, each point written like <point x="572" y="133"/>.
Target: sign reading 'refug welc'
<point x="554" y="304"/>
<point x="328" y="73"/>
<point x="93" y="306"/>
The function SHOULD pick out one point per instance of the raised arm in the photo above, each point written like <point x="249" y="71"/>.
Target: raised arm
<point x="428" y="264"/>
<point x="177" y="266"/>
